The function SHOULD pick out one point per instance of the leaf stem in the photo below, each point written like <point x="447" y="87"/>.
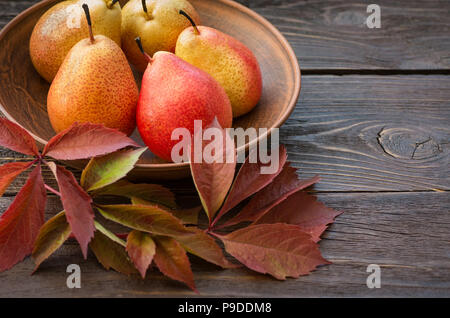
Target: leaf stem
<point x="49" y="188"/>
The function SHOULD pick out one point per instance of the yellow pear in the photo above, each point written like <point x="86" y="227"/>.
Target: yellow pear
<point x="94" y="84"/>
<point x="64" y="25"/>
<point x="226" y="59"/>
<point x="157" y="23"/>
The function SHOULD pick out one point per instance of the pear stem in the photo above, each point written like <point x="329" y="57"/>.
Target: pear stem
<point x="112" y="4"/>
<point x="89" y="22"/>
<point x="190" y="20"/>
<point x="141" y="48"/>
<point x="144" y="6"/>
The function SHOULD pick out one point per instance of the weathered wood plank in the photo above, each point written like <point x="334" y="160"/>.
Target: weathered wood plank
<point x="332" y="35"/>
<point x="405" y="233"/>
<point x="372" y="133"/>
<point x="366" y="133"/>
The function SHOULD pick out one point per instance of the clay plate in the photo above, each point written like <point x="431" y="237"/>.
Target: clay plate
<point x="23" y="92"/>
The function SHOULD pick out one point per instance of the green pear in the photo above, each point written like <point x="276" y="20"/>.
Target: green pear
<point x="64" y="25"/>
<point x="95" y="84"/>
<point x="157" y="23"/>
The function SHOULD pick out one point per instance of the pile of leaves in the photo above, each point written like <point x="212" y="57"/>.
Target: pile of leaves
<point x="276" y="229"/>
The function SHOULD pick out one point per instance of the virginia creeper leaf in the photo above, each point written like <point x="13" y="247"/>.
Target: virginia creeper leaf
<point x="148" y="192"/>
<point x="204" y="246"/>
<point x="249" y="181"/>
<point x="141" y="248"/>
<point x="213" y="180"/>
<point x="9" y="172"/>
<point x="20" y="224"/>
<point x="77" y="204"/>
<point x="281" y="250"/>
<point x="52" y="236"/>
<point x="113" y="237"/>
<point x="303" y="210"/>
<point x="105" y="170"/>
<point x="14" y="137"/>
<point x="173" y="262"/>
<point x="146" y="218"/>
<point x="83" y="141"/>
<point x="285" y="184"/>
<point x="110" y="251"/>
<point x="187" y="216"/>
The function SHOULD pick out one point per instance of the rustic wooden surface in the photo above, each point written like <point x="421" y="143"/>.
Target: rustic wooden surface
<point x="373" y="120"/>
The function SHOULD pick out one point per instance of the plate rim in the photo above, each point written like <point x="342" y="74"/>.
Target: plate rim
<point x="181" y="166"/>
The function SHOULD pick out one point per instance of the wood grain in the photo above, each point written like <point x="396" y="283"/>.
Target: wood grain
<point x="405" y="233"/>
<point x="368" y="133"/>
<point x="331" y="35"/>
<point x="372" y="133"/>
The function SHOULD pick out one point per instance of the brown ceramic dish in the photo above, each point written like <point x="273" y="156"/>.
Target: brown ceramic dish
<point x="23" y="93"/>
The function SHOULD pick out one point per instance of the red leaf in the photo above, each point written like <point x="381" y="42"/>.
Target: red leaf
<point x="141" y="248"/>
<point x="14" y="137"/>
<point x="9" y="172"/>
<point x="82" y="141"/>
<point x="204" y="246"/>
<point x="303" y="210"/>
<point x="173" y="262"/>
<point x="249" y="181"/>
<point x="213" y="180"/>
<point x="77" y="204"/>
<point x="20" y="224"/>
<point x="280" y="250"/>
<point x="285" y="184"/>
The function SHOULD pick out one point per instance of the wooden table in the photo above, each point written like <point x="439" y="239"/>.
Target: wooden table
<point x="373" y="120"/>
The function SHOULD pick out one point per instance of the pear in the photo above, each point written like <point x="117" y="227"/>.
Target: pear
<point x="226" y="59"/>
<point x="94" y="84"/>
<point x="64" y="25"/>
<point x="157" y="23"/>
<point x="173" y="95"/>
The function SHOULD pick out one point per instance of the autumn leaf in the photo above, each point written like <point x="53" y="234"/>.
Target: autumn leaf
<point x="105" y="170"/>
<point x="303" y="210"/>
<point x="154" y="193"/>
<point x="281" y="250"/>
<point x="9" y="172"/>
<point x="52" y="236"/>
<point x="110" y="251"/>
<point x="141" y="248"/>
<point x="249" y="181"/>
<point x="285" y="184"/>
<point x="14" y="137"/>
<point x="146" y="218"/>
<point x="173" y="262"/>
<point x="213" y="180"/>
<point x="77" y="204"/>
<point x="205" y="247"/>
<point x="20" y="224"/>
<point x="186" y="216"/>
<point x="83" y="141"/>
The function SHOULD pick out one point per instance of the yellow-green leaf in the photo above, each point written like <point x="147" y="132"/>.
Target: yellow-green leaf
<point x="105" y="170"/>
<point x="52" y="235"/>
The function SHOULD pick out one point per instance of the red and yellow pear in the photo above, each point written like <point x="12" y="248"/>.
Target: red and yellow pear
<point x="94" y="84"/>
<point x="226" y="59"/>
<point x="173" y="95"/>
<point x="64" y="25"/>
